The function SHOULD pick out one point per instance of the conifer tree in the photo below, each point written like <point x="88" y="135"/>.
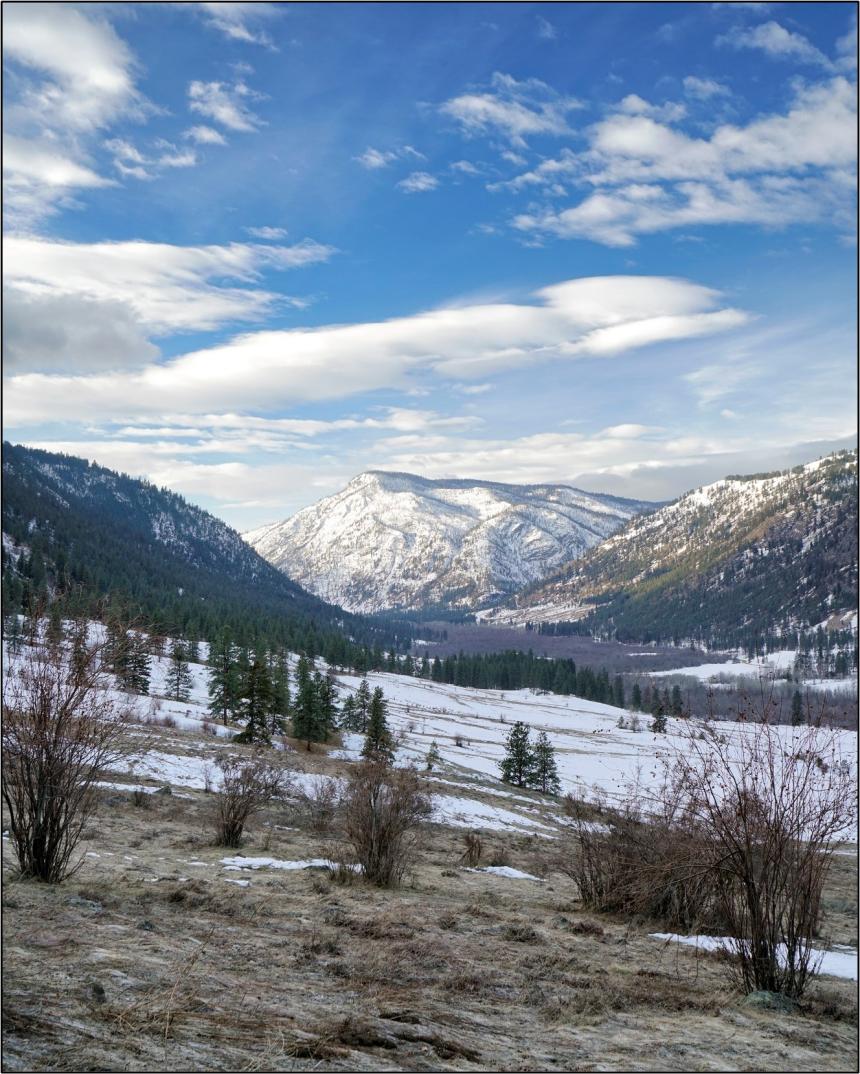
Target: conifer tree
<point x="308" y="719"/>
<point x="545" y="774"/>
<point x="348" y="719"/>
<point x="636" y="697"/>
<point x="518" y="763"/>
<point x="255" y="705"/>
<point x="378" y="744"/>
<point x="362" y="705"/>
<point x="223" y="678"/>
<point x="796" y="709"/>
<point x="618" y="692"/>
<point x="434" y="757"/>
<point x="178" y="674"/>
<point x="676" y="705"/>
<point x="138" y="668"/>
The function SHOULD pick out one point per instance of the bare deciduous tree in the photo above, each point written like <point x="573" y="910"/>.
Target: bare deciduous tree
<point x="62" y="732"/>
<point x="247" y="785"/>
<point x="383" y="808"/>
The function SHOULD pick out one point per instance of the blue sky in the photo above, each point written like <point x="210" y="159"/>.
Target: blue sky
<point x="254" y="249"/>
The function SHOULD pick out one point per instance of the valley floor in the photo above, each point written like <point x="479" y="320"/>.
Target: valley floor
<point x="158" y="954"/>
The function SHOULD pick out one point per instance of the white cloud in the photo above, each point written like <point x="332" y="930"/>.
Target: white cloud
<point x="418" y="183"/>
<point x="375" y="158"/>
<point x="270" y="234"/>
<point x="466" y="167"/>
<point x="599" y="316"/>
<point x="237" y="20"/>
<point x="634" y="105"/>
<point x="225" y="104"/>
<point x="703" y="89"/>
<point x="73" y="77"/>
<point x="545" y="29"/>
<point x="150" y="288"/>
<point x="651" y="177"/>
<point x="204" y="135"/>
<point x="512" y="108"/>
<point x="776" y="41"/>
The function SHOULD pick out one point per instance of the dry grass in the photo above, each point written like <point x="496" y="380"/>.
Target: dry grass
<point x="145" y="961"/>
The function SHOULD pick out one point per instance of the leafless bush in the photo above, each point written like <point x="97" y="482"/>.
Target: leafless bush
<point x="383" y="809"/>
<point x="141" y="799"/>
<point x="639" y="865"/>
<point x="773" y="803"/>
<point x="246" y="787"/>
<point x="738" y="841"/>
<point x="471" y="855"/>
<point x="318" y="803"/>
<point x="61" y="734"/>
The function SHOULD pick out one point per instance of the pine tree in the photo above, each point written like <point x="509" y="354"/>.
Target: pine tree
<point x="223" y="678"/>
<point x="138" y="668"/>
<point x="658" y="724"/>
<point x="545" y="774"/>
<point x="349" y="719"/>
<point x="378" y="744"/>
<point x="636" y="697"/>
<point x="179" y="679"/>
<point x="362" y="705"/>
<point x="12" y="632"/>
<point x="54" y="629"/>
<point x="434" y="757"/>
<point x="255" y="705"/>
<point x="308" y="718"/>
<point x="518" y="762"/>
<point x="676" y="705"/>
<point x="797" y="709"/>
<point x="280" y="673"/>
<point x="618" y="692"/>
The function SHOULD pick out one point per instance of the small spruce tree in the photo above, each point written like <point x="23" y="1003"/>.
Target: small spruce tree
<point x="434" y="757"/>
<point x="378" y="745"/>
<point x="545" y="772"/>
<point x="518" y="763"/>
<point x="178" y="674"/>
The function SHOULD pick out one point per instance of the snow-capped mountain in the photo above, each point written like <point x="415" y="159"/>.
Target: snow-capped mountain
<point x="394" y="540"/>
<point x="730" y="560"/>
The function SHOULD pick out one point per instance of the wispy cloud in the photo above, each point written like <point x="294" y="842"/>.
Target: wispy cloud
<point x="225" y="104"/>
<point x="545" y="29"/>
<point x="512" y="108"/>
<point x="703" y="89"/>
<point x="775" y="41"/>
<point x="133" y="289"/>
<point x="204" y="135"/>
<point x="601" y="316"/>
<point x="75" y="77"/>
<point x="418" y="183"/>
<point x="241" y="22"/>
<point x="374" y="159"/>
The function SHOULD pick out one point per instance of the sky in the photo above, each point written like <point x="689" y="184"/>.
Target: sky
<point x="251" y="250"/>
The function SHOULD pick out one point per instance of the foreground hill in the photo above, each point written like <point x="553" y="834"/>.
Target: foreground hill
<point x="71" y="526"/>
<point x="392" y="540"/>
<point x="745" y="556"/>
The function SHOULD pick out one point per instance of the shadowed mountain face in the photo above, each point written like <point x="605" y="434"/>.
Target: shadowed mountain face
<point x="392" y="540"/>
<point x="740" y="557"/>
<point x="69" y="524"/>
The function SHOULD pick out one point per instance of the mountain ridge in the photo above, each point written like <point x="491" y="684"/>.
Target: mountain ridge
<point x="390" y="539"/>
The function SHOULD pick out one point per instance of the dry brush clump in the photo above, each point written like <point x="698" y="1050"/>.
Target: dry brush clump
<point x="247" y="786"/>
<point x="738" y="841"/>
<point x="62" y="733"/>
<point x="383" y="809"/>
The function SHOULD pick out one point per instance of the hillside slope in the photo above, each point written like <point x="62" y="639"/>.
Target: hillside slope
<point x="741" y="557"/>
<point x="392" y="540"/>
<point x="69" y="525"/>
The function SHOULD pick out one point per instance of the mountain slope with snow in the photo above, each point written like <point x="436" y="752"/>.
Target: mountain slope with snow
<point x="393" y="540"/>
<point x="739" y="557"/>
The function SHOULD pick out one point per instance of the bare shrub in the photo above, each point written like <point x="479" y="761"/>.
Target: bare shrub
<point x="383" y="808"/>
<point x="318" y="803"/>
<point x="639" y="864"/>
<point x="62" y="733"/>
<point x="141" y="799"/>
<point x="246" y="787"/>
<point x="772" y="803"/>
<point x="471" y="855"/>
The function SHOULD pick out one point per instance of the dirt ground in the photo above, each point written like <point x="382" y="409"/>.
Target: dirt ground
<point x="152" y="957"/>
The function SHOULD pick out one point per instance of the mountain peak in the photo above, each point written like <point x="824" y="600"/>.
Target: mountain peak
<point x="397" y="540"/>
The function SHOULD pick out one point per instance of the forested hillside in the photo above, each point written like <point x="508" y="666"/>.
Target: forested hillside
<point x="85" y="535"/>
<point x="746" y="557"/>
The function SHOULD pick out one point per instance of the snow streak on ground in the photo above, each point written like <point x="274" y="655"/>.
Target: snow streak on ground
<point x="840" y="962"/>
